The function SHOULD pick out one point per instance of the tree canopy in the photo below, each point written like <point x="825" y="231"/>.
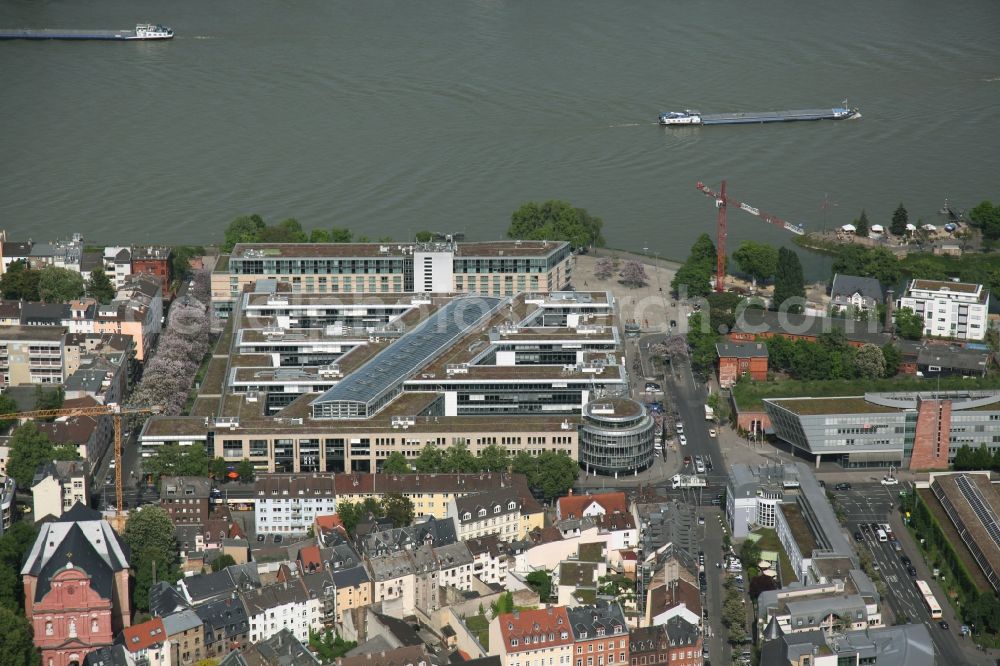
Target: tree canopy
<point x="222" y="561"/>
<point x="149" y="533"/>
<point x="20" y="282"/>
<point x="633" y="274"/>
<point x="58" y="285"/>
<point x="172" y="459"/>
<point x="759" y="260"/>
<point x="861" y="224"/>
<point x="877" y="262"/>
<point x="694" y="277"/>
<point x="789" y="282"/>
<point x="909" y="324"/>
<point x="556" y="220"/>
<point x="899" y="219"/>
<point x="986" y="216"/>
<point x="29" y="450"/>
<point x="17" y="647"/>
<point x="550" y="474"/>
<point x="99" y="286"/>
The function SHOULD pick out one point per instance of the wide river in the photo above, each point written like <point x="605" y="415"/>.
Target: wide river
<point x="392" y="116"/>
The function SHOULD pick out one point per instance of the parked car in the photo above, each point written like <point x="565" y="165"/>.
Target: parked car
<point x="910" y="570"/>
<point x="943" y="625"/>
<point x="858" y="536"/>
<point x="711" y="432"/>
<point x="842" y="486"/>
<point x="904" y="560"/>
<point x="684" y="440"/>
<point x="889" y="481"/>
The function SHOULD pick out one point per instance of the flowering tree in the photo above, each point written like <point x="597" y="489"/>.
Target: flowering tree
<point x="633" y="274"/>
<point x="604" y="268"/>
<point x="168" y="375"/>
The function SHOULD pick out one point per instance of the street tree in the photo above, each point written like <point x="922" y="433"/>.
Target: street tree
<point x="396" y="463"/>
<point x="899" y="219"/>
<point x="870" y="362"/>
<point x="789" y="282"/>
<point x="760" y="260"/>
<point x="341" y="235"/>
<point x="172" y="459"/>
<point x="150" y="527"/>
<point x="7" y="406"/>
<point x="909" y="324"/>
<point x="286" y="231"/>
<point x="494" y="458"/>
<point x="99" y="286"/>
<point x="633" y="274"/>
<point x="15" y="544"/>
<point x="319" y="236"/>
<point x="246" y="471"/>
<point x="457" y="459"/>
<point x="429" y="460"/>
<point x="604" y="268"/>
<point x="424" y="236"/>
<point x="556" y="220"/>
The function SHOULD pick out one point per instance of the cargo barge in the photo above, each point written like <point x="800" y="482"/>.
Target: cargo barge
<point x="143" y="31"/>
<point x="689" y="117"/>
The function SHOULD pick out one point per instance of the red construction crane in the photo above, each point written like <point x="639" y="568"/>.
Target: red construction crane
<point x="722" y="202"/>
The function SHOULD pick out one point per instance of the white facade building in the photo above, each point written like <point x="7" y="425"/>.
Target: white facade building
<point x="494" y="512"/>
<point x="949" y="309"/>
<point x="282" y="606"/>
<point x="289" y="504"/>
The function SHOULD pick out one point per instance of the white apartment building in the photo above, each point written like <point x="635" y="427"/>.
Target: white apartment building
<point x="949" y="309"/>
<point x="489" y="562"/>
<point x="58" y="486"/>
<point x="288" y="504"/>
<point x="282" y="606"/>
<point x="454" y="563"/>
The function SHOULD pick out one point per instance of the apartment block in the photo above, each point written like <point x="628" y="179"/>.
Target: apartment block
<point x="57" y="486"/>
<point x="32" y="355"/>
<point x="949" y="309"/>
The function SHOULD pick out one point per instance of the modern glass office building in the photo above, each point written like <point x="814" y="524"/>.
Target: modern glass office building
<point x="616" y="437"/>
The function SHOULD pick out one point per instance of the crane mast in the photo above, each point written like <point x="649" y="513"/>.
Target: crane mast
<point x="722" y="202"/>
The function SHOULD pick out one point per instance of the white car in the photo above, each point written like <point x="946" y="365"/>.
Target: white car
<point x="890" y="481"/>
<point x="680" y="428"/>
<point x="711" y="432"/>
<point x="684" y="440"/>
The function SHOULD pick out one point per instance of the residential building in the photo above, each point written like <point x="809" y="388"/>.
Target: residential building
<point x="203" y="588"/>
<point x="949" y="309"/>
<point x="740" y="359"/>
<point x="353" y="589"/>
<point x="226" y="625"/>
<point x="155" y="260"/>
<point x="186" y="633"/>
<point x="496" y="511"/>
<point x="147" y="643"/>
<point x="57" y="486"/>
<point x="280" y="606"/>
<point x="753" y="495"/>
<point x="91" y="435"/>
<point x="186" y="499"/>
<point x="914" y="430"/>
<point x="848" y="602"/>
<point x="600" y="635"/>
<point x="117" y="264"/>
<point x="454" y="566"/>
<point x="499" y="268"/>
<point x="415" y="655"/>
<point x="489" y="559"/>
<point x="289" y="503"/>
<point x="424" y="532"/>
<point x="533" y="637"/>
<point x="583" y="506"/>
<point x="283" y="648"/>
<point x="394" y="582"/>
<point x="853" y="294"/>
<point x="76" y="586"/>
<point x="31" y="355"/>
<point x="8" y="489"/>
<point x="136" y="311"/>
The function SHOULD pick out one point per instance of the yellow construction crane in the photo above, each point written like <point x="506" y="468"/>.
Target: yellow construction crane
<point x="111" y="409"/>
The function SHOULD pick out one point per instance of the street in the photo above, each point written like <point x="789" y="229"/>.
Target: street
<point x="865" y="504"/>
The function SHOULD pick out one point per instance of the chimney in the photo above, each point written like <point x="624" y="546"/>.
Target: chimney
<point x="890" y="305"/>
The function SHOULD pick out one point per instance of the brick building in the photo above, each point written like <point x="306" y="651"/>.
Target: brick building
<point x="155" y="260"/>
<point x="737" y="359"/>
<point x="600" y="635"/>
<point x="532" y="637"/>
<point x="186" y="499"/>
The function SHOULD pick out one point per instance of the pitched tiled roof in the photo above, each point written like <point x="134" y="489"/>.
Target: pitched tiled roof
<point x="310" y="558"/>
<point x="404" y="656"/>
<point x="542" y="628"/>
<point x="489" y="501"/>
<point x="144" y="636"/>
<point x="587" y="621"/>
<point x="848" y="285"/>
<point x="573" y="506"/>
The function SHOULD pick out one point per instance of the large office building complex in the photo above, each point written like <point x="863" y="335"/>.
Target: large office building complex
<point x="323" y="382"/>
<point x="499" y="268"/>
<point x="917" y="430"/>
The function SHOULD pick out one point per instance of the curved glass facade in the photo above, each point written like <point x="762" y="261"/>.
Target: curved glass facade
<point x="616" y="437"/>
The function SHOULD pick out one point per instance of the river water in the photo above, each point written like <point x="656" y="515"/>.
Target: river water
<point x="391" y="116"/>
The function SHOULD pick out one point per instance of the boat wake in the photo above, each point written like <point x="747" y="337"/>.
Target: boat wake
<point x="991" y="79"/>
<point x="631" y="124"/>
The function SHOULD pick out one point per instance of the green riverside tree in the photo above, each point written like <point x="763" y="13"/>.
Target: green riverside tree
<point x="789" y="282"/>
<point x="862" y="224"/>
<point x="758" y="259"/>
<point x="19" y="282"/>
<point x="694" y="278"/>
<point x="244" y="229"/>
<point x="899" y="219"/>
<point x="909" y="324"/>
<point x="556" y="220"/>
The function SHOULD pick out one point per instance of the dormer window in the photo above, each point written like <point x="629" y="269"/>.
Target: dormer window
<point x="482" y="512"/>
<point x="496" y="509"/>
<point x="513" y="642"/>
<point x="512" y="506"/>
<point x="467" y="516"/>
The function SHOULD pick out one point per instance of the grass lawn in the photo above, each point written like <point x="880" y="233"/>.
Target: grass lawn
<point x="769" y="541"/>
<point x="480" y="626"/>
